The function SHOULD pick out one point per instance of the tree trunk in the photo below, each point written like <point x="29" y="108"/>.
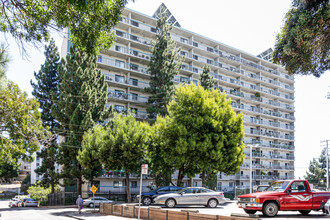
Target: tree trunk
<point x="127" y="186"/>
<point x="180" y="177"/>
<point x="79" y="183"/>
<point x="191" y="182"/>
<point x="203" y="178"/>
<point x="52" y="186"/>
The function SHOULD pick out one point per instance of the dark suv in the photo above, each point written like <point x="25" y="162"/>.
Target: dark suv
<point x="147" y="198"/>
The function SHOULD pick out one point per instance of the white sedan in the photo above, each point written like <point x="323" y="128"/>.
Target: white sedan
<point x="91" y="202"/>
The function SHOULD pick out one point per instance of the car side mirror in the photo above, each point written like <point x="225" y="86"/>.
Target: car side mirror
<point x="182" y="193"/>
<point x="156" y="192"/>
<point x="289" y="191"/>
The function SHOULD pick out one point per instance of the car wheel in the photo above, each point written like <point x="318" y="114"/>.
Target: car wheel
<point x="212" y="203"/>
<point x="91" y="205"/>
<point x="250" y="211"/>
<point x="146" y="201"/>
<point x="270" y="209"/>
<point x="305" y="212"/>
<point x="170" y="203"/>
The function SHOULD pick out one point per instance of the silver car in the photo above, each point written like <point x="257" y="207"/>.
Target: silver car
<point x="192" y="196"/>
<point x="28" y="202"/>
<point x="91" y="202"/>
<point x="327" y="207"/>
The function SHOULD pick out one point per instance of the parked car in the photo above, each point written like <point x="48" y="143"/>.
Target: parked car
<point x="284" y="195"/>
<point x="13" y="203"/>
<point x="327" y="207"/>
<point x="28" y="202"/>
<point x="148" y="197"/>
<point x="91" y="202"/>
<point x="192" y="196"/>
<point x="261" y="188"/>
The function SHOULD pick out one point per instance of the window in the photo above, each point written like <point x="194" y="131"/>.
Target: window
<point x="184" y="40"/>
<point x="163" y="189"/>
<point x="135" y="82"/>
<point x="134" y="96"/>
<point x="120" y="33"/>
<point x="195" y="57"/>
<point x="133" y="37"/>
<point x="191" y="190"/>
<point x="134" y="23"/>
<point x="118" y="48"/>
<point x="298" y="187"/>
<point x="153" y="30"/>
<point x="119" y="79"/>
<point x="134" y="110"/>
<point x="184" y="53"/>
<point x="210" y="61"/>
<point x="119" y="63"/>
<point x="117" y="184"/>
<point x="99" y="59"/>
<point x="195" y="44"/>
<point x="134" y="67"/>
<point x="209" y="49"/>
<point x="195" y="70"/>
<point x="174" y="188"/>
<point x="119" y="108"/>
<point x="133" y="184"/>
<point x="119" y="93"/>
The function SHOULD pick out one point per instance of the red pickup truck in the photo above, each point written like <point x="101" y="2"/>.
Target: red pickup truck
<point x="284" y="195"/>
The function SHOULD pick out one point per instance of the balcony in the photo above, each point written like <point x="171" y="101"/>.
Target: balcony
<point x="124" y="81"/>
<point x="134" y="38"/>
<point x="127" y="97"/>
<point x="135" y="53"/>
<point x="122" y="65"/>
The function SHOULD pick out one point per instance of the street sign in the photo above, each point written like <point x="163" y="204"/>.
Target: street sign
<point x="144" y="168"/>
<point x="93" y="189"/>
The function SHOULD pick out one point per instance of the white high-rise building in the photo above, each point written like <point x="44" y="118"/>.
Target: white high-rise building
<point x="261" y="90"/>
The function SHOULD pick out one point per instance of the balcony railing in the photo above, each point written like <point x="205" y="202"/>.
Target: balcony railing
<point x="125" y="81"/>
<point x="126" y="96"/>
<point x="122" y="65"/>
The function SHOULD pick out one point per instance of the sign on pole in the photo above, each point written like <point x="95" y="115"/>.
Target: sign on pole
<point x="93" y="189"/>
<point x="144" y="170"/>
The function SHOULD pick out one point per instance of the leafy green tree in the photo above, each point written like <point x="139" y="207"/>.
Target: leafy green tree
<point x="304" y="42"/>
<point x="39" y="192"/>
<point x="161" y="172"/>
<point x="202" y="131"/>
<point x="4" y="59"/>
<point x="316" y="173"/>
<point x="9" y="170"/>
<point x="90" y="22"/>
<point x="21" y="129"/>
<point x="81" y="104"/>
<point x="207" y="80"/>
<point x="46" y="91"/>
<point x="122" y="144"/>
<point x="164" y="64"/>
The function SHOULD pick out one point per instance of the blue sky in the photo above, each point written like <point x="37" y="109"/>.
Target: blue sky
<point x="250" y="26"/>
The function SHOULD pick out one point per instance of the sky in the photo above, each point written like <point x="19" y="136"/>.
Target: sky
<point x="250" y="26"/>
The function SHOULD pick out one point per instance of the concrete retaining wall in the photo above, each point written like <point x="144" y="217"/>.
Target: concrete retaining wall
<point x="155" y="213"/>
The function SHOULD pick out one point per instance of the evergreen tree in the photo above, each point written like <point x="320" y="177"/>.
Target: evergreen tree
<point x="206" y="79"/>
<point x="316" y="173"/>
<point x="82" y="104"/>
<point x="164" y="64"/>
<point x="4" y="59"/>
<point x="46" y="91"/>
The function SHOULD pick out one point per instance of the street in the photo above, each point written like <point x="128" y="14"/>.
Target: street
<point x="29" y="213"/>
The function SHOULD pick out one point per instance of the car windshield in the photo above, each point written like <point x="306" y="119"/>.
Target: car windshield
<point x="278" y="186"/>
<point x="182" y="190"/>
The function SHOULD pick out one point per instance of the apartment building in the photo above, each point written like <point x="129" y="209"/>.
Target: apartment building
<point x="261" y="90"/>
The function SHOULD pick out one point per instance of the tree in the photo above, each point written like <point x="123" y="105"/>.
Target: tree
<point x="89" y="22"/>
<point x="122" y="144"/>
<point x="9" y="170"/>
<point x="46" y="91"/>
<point x="304" y="42"/>
<point x="202" y="131"/>
<point x="39" y="192"/>
<point x="21" y="129"/>
<point x="316" y="173"/>
<point x="81" y="104"/>
<point x="207" y="80"/>
<point x="4" y="59"/>
<point x="164" y="64"/>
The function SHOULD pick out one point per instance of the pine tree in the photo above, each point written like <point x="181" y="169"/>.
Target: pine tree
<point x="316" y="173"/>
<point x="206" y="79"/>
<point x="46" y="91"/>
<point x="81" y="104"/>
<point x="164" y="64"/>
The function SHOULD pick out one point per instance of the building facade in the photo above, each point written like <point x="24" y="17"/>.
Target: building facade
<point x="261" y="90"/>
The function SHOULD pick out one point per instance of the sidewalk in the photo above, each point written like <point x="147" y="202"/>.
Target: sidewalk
<point x="89" y="215"/>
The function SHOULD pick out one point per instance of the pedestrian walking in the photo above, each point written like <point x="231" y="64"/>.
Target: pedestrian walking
<point x="79" y="202"/>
